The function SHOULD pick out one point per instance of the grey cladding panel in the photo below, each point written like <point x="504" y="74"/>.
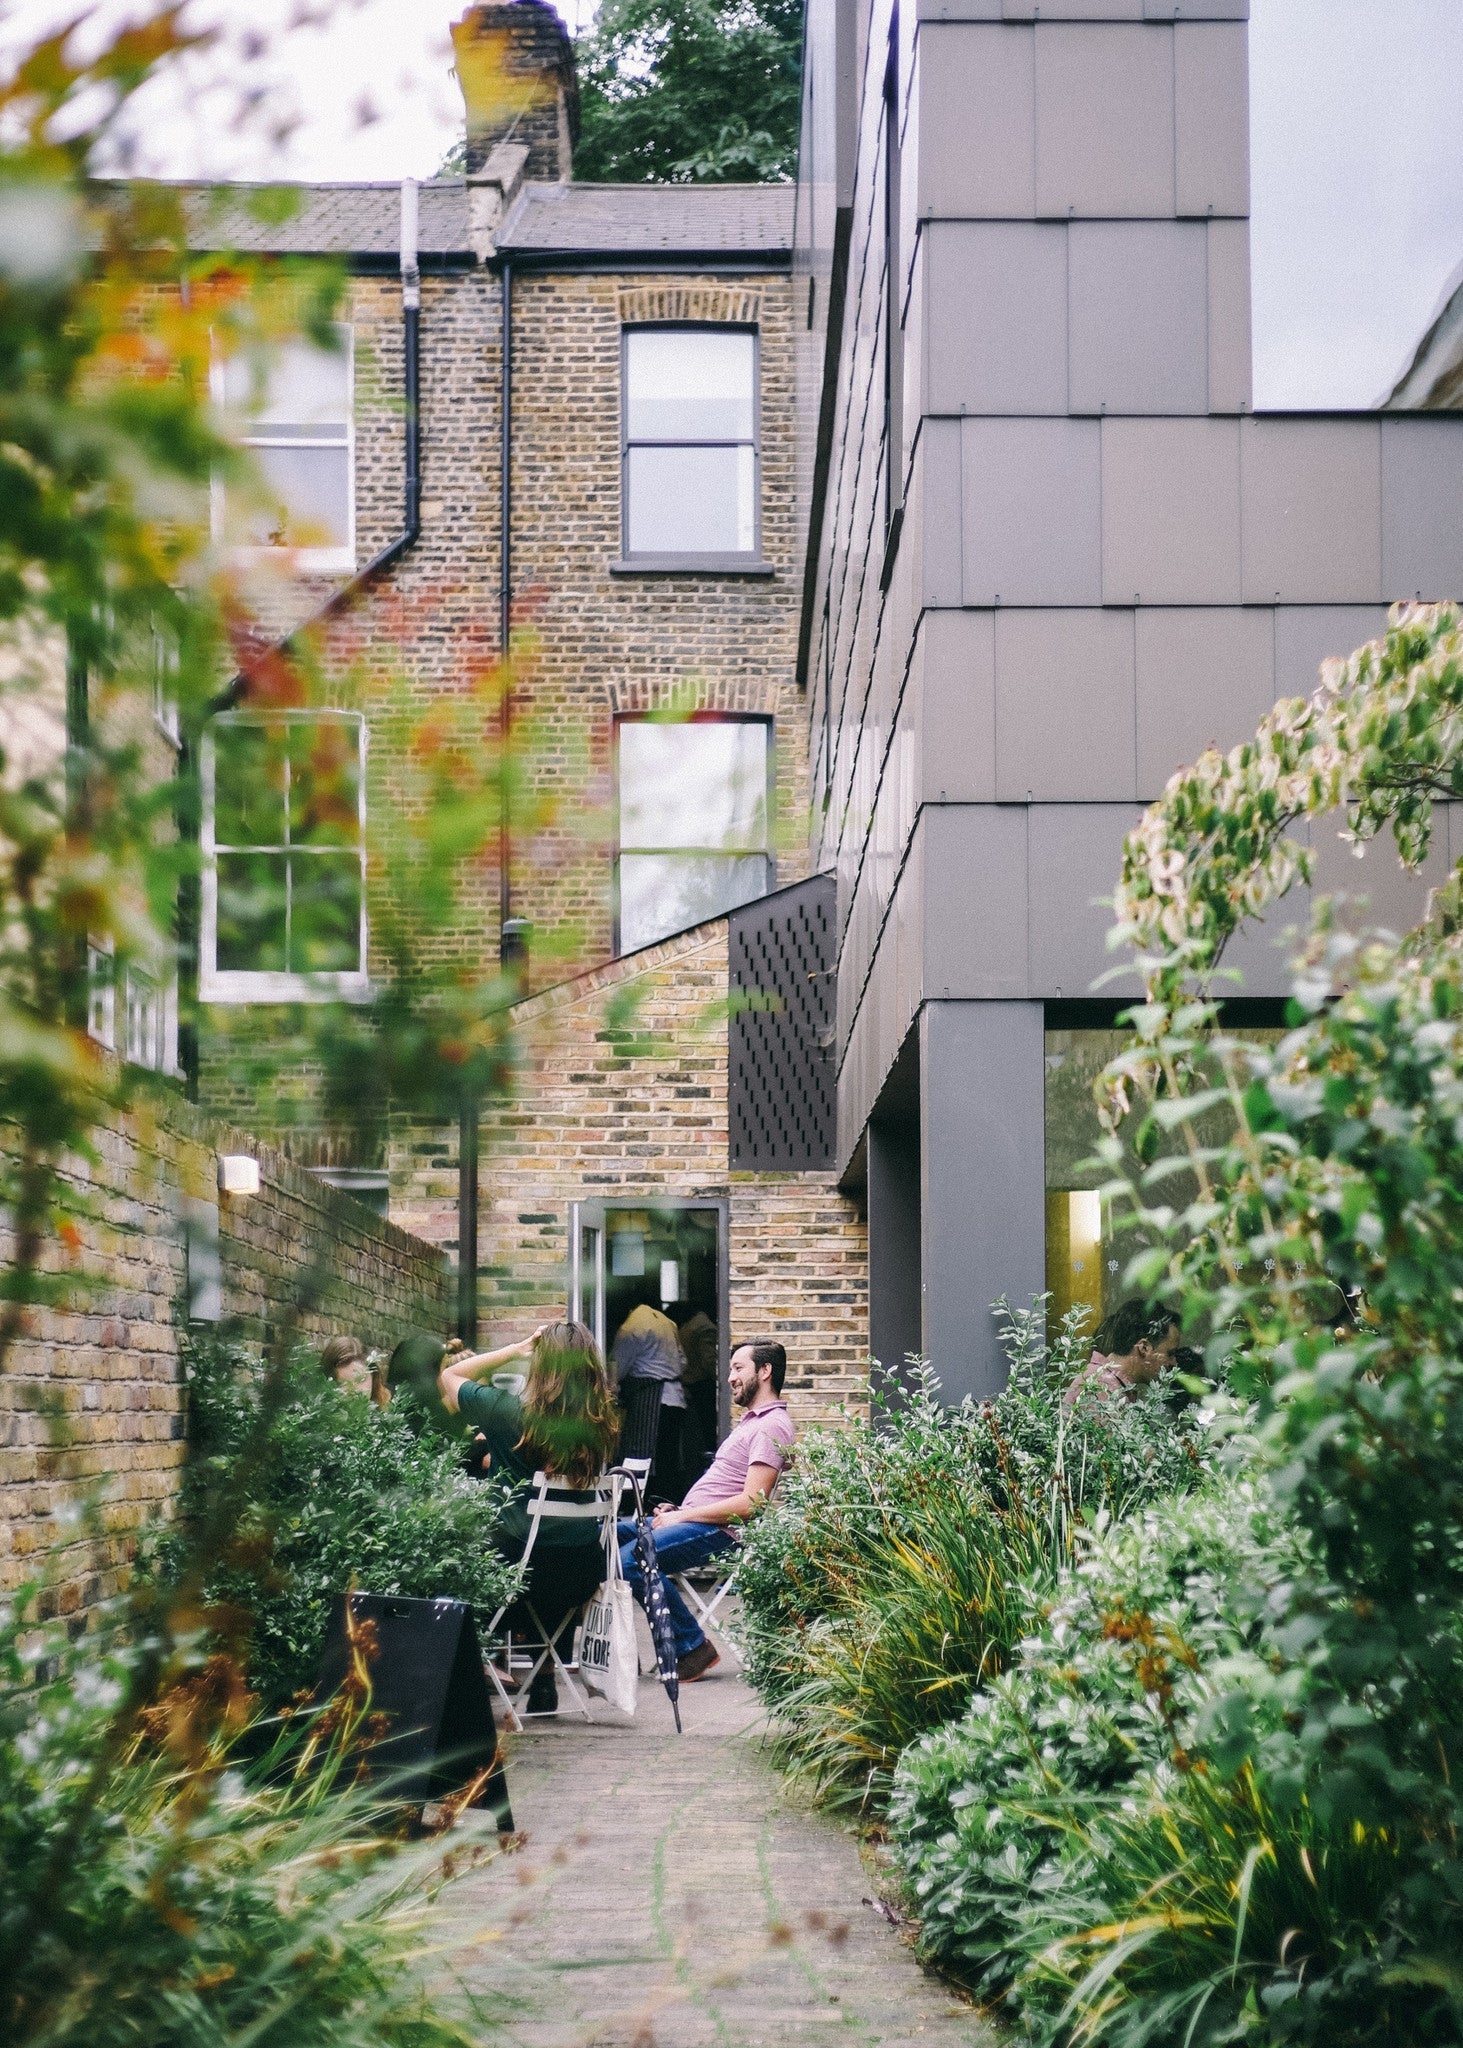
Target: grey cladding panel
<point x="1064" y="706"/>
<point x="1170" y="512"/>
<point x="935" y="481"/>
<point x="1380" y="891"/>
<point x="1196" y="10"/>
<point x="955" y="673"/>
<point x="1231" y="384"/>
<point x="1140" y="317"/>
<point x="998" y="317"/>
<point x="1311" y="499"/>
<point x="1076" y="857"/>
<point x="1104" y="121"/>
<point x="1422" y="508"/>
<point x="1205" y="678"/>
<point x="982" y="1206"/>
<point x="782" y="1081"/>
<point x="1031" y="512"/>
<point x="1211" y="119"/>
<point x="975" y="900"/>
<point x="1307" y="635"/>
<point x="977" y="137"/>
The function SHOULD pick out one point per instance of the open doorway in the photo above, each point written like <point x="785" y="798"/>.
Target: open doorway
<point x="670" y="1257"/>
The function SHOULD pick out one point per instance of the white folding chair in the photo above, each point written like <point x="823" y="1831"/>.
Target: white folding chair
<point x="720" y="1574"/>
<point x="548" y="1502"/>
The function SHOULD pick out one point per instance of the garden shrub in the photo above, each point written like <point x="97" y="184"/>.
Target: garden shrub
<point x="156" y="1891"/>
<point x="897" y="1569"/>
<point x="339" y="1492"/>
<point x="991" y="1814"/>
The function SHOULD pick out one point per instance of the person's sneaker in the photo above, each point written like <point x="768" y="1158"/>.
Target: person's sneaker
<point x="697" y="1663"/>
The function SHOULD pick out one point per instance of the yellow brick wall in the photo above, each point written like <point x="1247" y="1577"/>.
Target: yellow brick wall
<point x="93" y="1402"/>
<point x="630" y="1107"/>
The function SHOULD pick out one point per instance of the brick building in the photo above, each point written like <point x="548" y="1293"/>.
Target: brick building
<point x="604" y="453"/>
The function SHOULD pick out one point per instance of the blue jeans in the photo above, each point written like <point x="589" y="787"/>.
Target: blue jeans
<point x="680" y="1549"/>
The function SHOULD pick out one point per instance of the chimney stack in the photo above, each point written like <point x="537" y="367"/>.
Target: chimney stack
<point x="515" y="64"/>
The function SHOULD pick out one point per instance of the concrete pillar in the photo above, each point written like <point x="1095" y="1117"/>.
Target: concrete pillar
<point x="982" y="1181"/>
<point x="894" y="1243"/>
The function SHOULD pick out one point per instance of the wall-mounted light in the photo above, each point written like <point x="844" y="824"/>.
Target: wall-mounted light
<point x="238" y="1174"/>
<point x="670" y="1281"/>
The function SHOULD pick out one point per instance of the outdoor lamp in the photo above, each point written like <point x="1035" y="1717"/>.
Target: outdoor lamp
<point x="238" y="1174"/>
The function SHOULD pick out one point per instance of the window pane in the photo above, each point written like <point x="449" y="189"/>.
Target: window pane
<point x="248" y="784"/>
<point x="324" y="782"/>
<point x="688" y="384"/>
<point x="251" y="913"/>
<point x="307" y="501"/>
<point x="662" y="893"/>
<point x="298" y="385"/>
<point x="694" y="785"/>
<point x="325" y="913"/>
<point x="691" y="501"/>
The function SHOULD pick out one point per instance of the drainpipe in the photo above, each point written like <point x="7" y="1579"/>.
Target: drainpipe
<point x="505" y="627"/>
<point x="189" y="924"/>
<point x="512" y="931"/>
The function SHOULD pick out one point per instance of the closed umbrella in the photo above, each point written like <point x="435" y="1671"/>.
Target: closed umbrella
<point x="658" y="1613"/>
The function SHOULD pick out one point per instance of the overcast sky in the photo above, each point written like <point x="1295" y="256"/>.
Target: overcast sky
<point x="1356" y="159"/>
<point x="1356" y="189"/>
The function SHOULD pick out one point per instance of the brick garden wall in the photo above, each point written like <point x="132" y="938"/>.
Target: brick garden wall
<point x="623" y="1097"/>
<point x="93" y="1400"/>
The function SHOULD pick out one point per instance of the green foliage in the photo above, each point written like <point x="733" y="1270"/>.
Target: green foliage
<point x="690" y="91"/>
<point x="1317" y="1850"/>
<point x="156" y="1889"/>
<point x="339" y="1492"/>
<point x="999" y="1818"/>
<point x="897" y="1571"/>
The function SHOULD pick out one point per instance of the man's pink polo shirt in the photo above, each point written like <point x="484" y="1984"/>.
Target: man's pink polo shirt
<point x="764" y="1436"/>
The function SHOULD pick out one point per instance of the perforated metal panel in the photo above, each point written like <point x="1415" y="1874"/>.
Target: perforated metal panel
<point x="780" y="1052"/>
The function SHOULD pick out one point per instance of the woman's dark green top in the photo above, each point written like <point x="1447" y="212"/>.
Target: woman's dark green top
<point x="499" y="1415"/>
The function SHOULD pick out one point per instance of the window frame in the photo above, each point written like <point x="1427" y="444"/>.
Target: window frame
<point x="745" y="560"/>
<point x="769" y="852"/>
<point x="276" y="985"/>
<point x="325" y="560"/>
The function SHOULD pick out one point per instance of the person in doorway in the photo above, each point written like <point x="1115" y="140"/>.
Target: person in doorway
<point x="563" y="1423"/>
<point x="648" y="1367"/>
<point x="1140" y="1339"/>
<point x="739" y="1483"/>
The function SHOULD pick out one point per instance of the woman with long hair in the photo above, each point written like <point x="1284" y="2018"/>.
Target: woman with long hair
<point x="562" y="1420"/>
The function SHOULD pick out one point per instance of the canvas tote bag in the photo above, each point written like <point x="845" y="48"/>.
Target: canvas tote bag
<point x="609" y="1661"/>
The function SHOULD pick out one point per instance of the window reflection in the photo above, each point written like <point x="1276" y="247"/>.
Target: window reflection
<point x="694" y="825"/>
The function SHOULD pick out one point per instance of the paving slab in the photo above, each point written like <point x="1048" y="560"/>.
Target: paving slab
<point x="669" y="1893"/>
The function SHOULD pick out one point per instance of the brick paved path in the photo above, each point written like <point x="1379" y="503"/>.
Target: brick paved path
<point x="670" y="1896"/>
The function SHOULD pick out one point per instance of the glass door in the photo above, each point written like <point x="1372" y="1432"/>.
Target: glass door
<point x="587" y="1267"/>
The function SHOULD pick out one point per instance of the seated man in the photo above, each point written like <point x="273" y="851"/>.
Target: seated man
<point x="1141" y="1338"/>
<point x="742" y="1475"/>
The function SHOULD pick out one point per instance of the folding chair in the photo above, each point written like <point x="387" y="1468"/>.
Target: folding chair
<point x="720" y="1574"/>
<point x="548" y="1502"/>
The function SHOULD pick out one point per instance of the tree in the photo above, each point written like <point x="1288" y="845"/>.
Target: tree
<point x="690" y="92"/>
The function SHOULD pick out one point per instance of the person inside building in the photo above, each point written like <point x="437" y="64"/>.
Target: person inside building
<point x="563" y="1423"/>
<point x="700" y="1347"/>
<point x="346" y="1361"/>
<point x="1138" y="1342"/>
<point x="648" y="1368"/>
<point x="739" y="1484"/>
